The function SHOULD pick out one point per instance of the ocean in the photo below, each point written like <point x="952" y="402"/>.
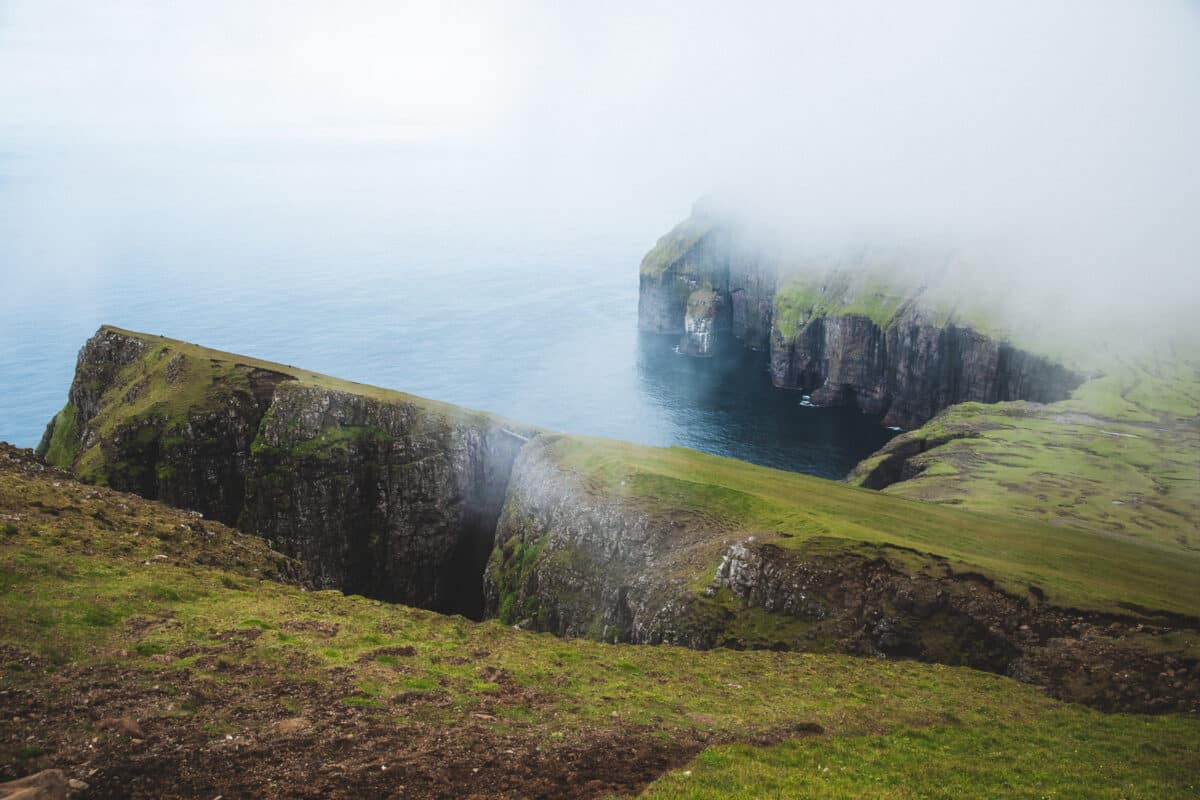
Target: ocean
<point x="381" y="268"/>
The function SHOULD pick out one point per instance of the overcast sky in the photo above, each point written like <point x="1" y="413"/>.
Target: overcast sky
<point x="1074" y="125"/>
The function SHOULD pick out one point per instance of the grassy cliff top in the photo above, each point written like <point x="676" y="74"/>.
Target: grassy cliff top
<point x="801" y="299"/>
<point x="881" y="295"/>
<point x="1085" y="569"/>
<point x="676" y="244"/>
<point x="721" y="498"/>
<point x="225" y="365"/>
<point x="236" y="682"/>
<point x="173" y="381"/>
<point x="1121" y="456"/>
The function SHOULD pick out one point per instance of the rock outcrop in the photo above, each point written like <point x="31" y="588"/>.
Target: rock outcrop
<point x="576" y="562"/>
<point x="852" y="337"/>
<point x="377" y="493"/>
<point x="580" y="562"/>
<point x="387" y="499"/>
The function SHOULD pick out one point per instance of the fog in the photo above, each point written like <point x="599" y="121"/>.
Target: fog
<point x="180" y="150"/>
<point x="1072" y="125"/>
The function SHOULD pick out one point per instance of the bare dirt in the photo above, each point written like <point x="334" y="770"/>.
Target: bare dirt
<point x="276" y="738"/>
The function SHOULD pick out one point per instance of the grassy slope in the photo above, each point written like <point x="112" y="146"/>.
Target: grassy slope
<point x="1064" y="757"/>
<point x="91" y="578"/>
<point x="802" y="298"/>
<point x="874" y="288"/>
<point x="1121" y="456"/>
<point x="1075" y="568"/>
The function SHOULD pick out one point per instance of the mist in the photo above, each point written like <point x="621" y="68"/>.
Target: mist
<point x="1069" y="126"/>
<point x="163" y="163"/>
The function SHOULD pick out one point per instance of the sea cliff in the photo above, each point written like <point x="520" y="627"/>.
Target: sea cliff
<point x="866" y="336"/>
<point x="403" y="499"/>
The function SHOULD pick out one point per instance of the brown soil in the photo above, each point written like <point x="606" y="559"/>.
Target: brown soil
<point x="204" y="739"/>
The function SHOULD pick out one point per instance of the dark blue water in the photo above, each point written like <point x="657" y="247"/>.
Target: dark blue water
<point x="342" y="268"/>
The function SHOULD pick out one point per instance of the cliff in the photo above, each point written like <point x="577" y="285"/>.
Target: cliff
<point x="403" y="499"/>
<point x="378" y="492"/>
<point x="612" y="542"/>
<point x="857" y="334"/>
<point x="1121" y="457"/>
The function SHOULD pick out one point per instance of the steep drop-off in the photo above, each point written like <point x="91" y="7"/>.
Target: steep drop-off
<point x="404" y="499"/>
<point x="858" y="337"/>
<point x="627" y="557"/>
<point x="377" y="492"/>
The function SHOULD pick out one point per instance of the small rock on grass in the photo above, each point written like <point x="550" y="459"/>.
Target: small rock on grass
<point x="48" y="784"/>
<point x="124" y="725"/>
<point x="293" y="725"/>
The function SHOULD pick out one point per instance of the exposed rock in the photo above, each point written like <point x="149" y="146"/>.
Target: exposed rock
<point x="48" y="784"/>
<point x="566" y="560"/>
<point x="404" y="499"/>
<point x="387" y="499"/>
<point x="701" y="322"/>
<point x="910" y="369"/>
<point x="292" y="725"/>
<point x="124" y="725"/>
<point x="577" y="562"/>
<point x="387" y="496"/>
<point x="879" y="348"/>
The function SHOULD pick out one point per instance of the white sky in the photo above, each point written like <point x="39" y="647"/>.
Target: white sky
<point x="1064" y="122"/>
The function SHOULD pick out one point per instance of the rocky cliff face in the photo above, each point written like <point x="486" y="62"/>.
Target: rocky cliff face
<point x="856" y="339"/>
<point x="700" y="281"/>
<point x="377" y="493"/>
<point x="386" y="498"/>
<point x="577" y="561"/>
<point x="910" y="368"/>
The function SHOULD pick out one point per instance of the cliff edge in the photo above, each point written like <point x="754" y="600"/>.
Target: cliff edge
<point x="849" y="331"/>
<point x="403" y="499"/>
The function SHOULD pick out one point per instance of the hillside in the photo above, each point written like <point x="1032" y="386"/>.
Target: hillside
<point x="1121" y="456"/>
<point x="148" y="652"/>
<point x="397" y="498"/>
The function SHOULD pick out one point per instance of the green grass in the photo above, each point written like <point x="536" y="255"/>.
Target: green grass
<point x="64" y="439"/>
<point x="721" y="498"/>
<point x="87" y="595"/>
<point x="803" y="298"/>
<point x="150" y="413"/>
<point x="673" y="246"/>
<point x="1120" y="457"/>
<point x="1066" y="754"/>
